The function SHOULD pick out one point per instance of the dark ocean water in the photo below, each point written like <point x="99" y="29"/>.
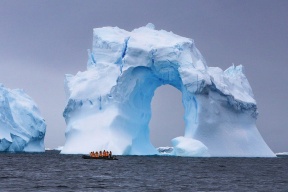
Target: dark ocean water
<point x="51" y="171"/>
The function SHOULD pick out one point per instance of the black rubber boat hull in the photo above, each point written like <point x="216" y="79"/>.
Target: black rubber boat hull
<point x="98" y="158"/>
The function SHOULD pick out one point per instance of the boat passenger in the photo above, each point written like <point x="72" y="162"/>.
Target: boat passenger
<point x="110" y="154"/>
<point x="100" y="154"/>
<point x="104" y="153"/>
<point x="91" y="154"/>
<point x="96" y="154"/>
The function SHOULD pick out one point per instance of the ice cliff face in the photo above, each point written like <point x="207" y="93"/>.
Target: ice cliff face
<point x="21" y="126"/>
<point x="109" y="104"/>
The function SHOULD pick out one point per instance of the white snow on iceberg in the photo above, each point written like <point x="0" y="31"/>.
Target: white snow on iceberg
<point x="21" y="126"/>
<point x="108" y="106"/>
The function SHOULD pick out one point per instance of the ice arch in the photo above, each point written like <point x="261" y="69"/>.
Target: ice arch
<point x="109" y="104"/>
<point x="143" y="81"/>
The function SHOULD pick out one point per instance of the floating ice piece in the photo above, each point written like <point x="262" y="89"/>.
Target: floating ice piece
<point x="189" y="147"/>
<point x="21" y="126"/>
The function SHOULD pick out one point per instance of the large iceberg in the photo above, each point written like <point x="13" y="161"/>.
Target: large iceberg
<point x="21" y="126"/>
<point x="108" y="106"/>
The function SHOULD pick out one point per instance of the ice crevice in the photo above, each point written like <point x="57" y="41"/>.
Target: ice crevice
<point x="121" y="60"/>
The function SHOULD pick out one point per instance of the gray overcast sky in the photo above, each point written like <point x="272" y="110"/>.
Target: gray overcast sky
<point x="40" y="41"/>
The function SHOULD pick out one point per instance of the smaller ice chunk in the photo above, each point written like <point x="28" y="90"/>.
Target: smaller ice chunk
<point x="282" y="154"/>
<point x="165" y="150"/>
<point x="189" y="147"/>
<point x="59" y="148"/>
<point x="21" y="126"/>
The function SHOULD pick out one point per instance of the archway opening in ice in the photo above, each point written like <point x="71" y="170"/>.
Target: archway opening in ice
<point x="135" y="90"/>
<point x="167" y="114"/>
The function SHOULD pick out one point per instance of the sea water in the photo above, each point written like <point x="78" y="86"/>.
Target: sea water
<point x="51" y="171"/>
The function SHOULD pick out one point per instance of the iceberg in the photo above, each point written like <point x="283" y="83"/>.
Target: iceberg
<point x="282" y="154"/>
<point x="109" y="104"/>
<point x="21" y="126"/>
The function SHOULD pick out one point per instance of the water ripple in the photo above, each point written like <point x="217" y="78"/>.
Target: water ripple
<point x="51" y="171"/>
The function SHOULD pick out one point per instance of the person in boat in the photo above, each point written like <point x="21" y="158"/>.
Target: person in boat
<point x="104" y="153"/>
<point x="100" y="154"/>
<point x="110" y="154"/>
<point x="107" y="153"/>
<point x="96" y="154"/>
<point x="91" y="154"/>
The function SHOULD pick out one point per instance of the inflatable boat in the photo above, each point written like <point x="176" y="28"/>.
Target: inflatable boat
<point x="103" y="158"/>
